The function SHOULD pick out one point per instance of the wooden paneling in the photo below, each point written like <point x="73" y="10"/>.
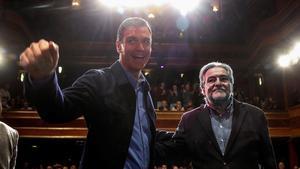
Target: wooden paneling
<point x="51" y="132"/>
<point x="295" y="121"/>
<point x="29" y="124"/>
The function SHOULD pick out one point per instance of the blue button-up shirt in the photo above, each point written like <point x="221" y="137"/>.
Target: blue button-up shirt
<point x="221" y="125"/>
<point x="139" y="149"/>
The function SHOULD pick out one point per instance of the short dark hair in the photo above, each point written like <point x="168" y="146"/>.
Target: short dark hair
<point x="210" y="65"/>
<point x="132" y="21"/>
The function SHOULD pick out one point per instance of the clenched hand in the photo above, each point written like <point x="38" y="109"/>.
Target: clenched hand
<point x="40" y="59"/>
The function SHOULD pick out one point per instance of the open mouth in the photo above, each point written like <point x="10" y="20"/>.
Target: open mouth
<point x="138" y="56"/>
<point x="219" y="90"/>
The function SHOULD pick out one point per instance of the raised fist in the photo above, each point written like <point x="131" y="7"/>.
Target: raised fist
<point x="40" y="59"/>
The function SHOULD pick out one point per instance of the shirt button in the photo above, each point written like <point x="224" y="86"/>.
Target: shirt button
<point x="224" y="163"/>
<point x="221" y="126"/>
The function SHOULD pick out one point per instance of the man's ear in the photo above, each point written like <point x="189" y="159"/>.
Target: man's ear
<point x="202" y="91"/>
<point x="118" y="46"/>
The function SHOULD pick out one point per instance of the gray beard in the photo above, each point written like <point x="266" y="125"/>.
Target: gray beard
<point x="219" y="102"/>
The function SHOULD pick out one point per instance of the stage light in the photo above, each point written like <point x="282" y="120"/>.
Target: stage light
<point x="181" y="75"/>
<point x="215" y="9"/>
<point x="59" y="69"/>
<point x="291" y="58"/>
<point x="295" y="54"/>
<point x="120" y="10"/>
<point x="2" y="59"/>
<point x="34" y="147"/>
<point x="182" y="23"/>
<point x="126" y="3"/>
<point x="260" y="81"/>
<point x="181" y="35"/>
<point x="284" y="61"/>
<point x="75" y="3"/>
<point x="182" y="6"/>
<point x="151" y="15"/>
<point x="215" y="5"/>
<point x="22" y="77"/>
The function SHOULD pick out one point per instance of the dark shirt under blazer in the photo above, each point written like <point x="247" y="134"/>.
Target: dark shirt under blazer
<point x="107" y="101"/>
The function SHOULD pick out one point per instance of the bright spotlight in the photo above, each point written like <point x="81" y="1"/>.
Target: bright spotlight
<point x="120" y="10"/>
<point x="1" y="60"/>
<point x="22" y="77"/>
<point x="185" y="7"/>
<point x="260" y="82"/>
<point x="151" y="15"/>
<point x="126" y="3"/>
<point x="181" y="75"/>
<point x="182" y="23"/>
<point x="75" y="3"/>
<point x="215" y="9"/>
<point x="295" y="53"/>
<point x="284" y="61"/>
<point x="59" y="69"/>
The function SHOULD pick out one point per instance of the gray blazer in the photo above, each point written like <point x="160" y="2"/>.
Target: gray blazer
<point x="8" y="144"/>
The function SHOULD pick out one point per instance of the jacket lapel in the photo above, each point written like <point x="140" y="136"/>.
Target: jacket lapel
<point x="127" y="91"/>
<point x="205" y="122"/>
<point x="237" y="121"/>
<point x="150" y="109"/>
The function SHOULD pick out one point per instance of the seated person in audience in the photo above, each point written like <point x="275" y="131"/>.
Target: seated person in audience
<point x="161" y="94"/>
<point x="174" y="95"/>
<point x="8" y="145"/>
<point x="281" y="165"/>
<point x="73" y="166"/>
<point x="49" y="167"/>
<point x="178" y="106"/>
<point x="174" y="167"/>
<point x="164" y="106"/>
<point x="189" y="106"/>
<point x="164" y="166"/>
<point x="187" y="93"/>
<point x="5" y="96"/>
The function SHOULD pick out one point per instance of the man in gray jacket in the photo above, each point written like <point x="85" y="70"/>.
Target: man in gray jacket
<point x="8" y="143"/>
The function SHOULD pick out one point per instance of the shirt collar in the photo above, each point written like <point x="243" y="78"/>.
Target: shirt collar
<point x="228" y="111"/>
<point x="134" y="83"/>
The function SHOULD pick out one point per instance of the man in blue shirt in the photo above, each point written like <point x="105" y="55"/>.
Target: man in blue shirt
<point x="115" y="101"/>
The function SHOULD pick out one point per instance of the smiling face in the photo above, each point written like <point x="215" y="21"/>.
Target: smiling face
<point x="217" y="87"/>
<point x="134" y="48"/>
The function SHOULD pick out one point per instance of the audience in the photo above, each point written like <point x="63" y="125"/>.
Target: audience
<point x="5" y="96"/>
<point x="281" y="165"/>
<point x="165" y="97"/>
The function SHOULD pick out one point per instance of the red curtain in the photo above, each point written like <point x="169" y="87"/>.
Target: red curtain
<point x="292" y="154"/>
